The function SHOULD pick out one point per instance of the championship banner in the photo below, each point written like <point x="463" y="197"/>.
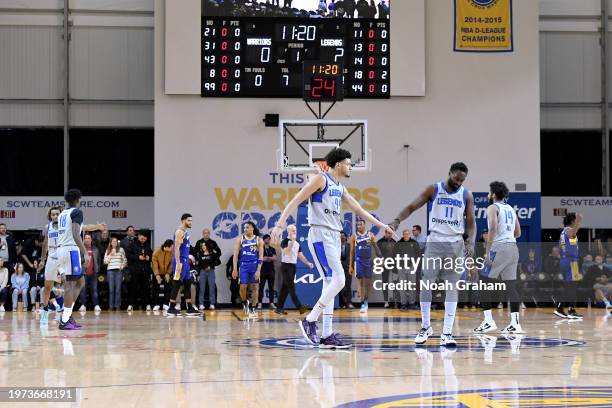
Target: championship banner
<point x="483" y="26"/>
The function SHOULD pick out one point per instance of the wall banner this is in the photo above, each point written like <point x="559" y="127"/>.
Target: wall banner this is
<point x="483" y="26"/>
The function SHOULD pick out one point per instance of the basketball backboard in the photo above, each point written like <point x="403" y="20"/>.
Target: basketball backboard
<point x="304" y="142"/>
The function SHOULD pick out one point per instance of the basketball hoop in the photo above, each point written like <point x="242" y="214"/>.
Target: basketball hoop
<point x="320" y="165"/>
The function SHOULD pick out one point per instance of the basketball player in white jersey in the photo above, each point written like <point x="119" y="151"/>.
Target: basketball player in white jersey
<point x="71" y="255"/>
<point x="326" y="195"/>
<point x="501" y="258"/>
<point x="49" y="260"/>
<point x="451" y="222"/>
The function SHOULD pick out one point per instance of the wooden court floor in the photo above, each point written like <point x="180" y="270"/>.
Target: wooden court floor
<point x="147" y="360"/>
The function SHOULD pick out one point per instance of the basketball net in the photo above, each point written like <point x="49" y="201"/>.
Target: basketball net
<point x="320" y="166"/>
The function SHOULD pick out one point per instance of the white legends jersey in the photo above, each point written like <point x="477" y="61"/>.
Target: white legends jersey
<point x="505" y="223"/>
<point x="446" y="210"/>
<point x="52" y="240"/>
<point x="324" y="206"/>
<point x="65" y="228"/>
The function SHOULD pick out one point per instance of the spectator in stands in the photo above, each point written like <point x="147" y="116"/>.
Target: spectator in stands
<point x="216" y="251"/>
<point x="30" y="254"/>
<point x="129" y="238"/>
<point x="37" y="285"/>
<point x="409" y="247"/>
<point x="349" y="8"/>
<point x="530" y="265"/>
<point x="603" y="290"/>
<point x="91" y="275"/>
<point x="4" y="288"/>
<point x="115" y="261"/>
<point x="587" y="262"/>
<point x="383" y="9"/>
<point x="102" y="243"/>
<point x="418" y="236"/>
<point x="139" y="263"/>
<point x="8" y="248"/>
<point x="268" y="273"/>
<point x="20" y="282"/>
<point x="162" y="268"/>
<point x="322" y="6"/>
<point x="207" y="261"/>
<point x="596" y="270"/>
<point x="387" y="250"/>
<point x="346" y="295"/>
<point x="552" y="261"/>
<point x="234" y="285"/>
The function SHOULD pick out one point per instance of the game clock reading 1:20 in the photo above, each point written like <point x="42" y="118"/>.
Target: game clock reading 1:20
<point x="264" y="57"/>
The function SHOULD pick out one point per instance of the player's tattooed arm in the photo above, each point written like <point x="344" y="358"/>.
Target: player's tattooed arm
<point x="573" y="231"/>
<point x="492" y="214"/>
<point x="179" y="235"/>
<point x="420" y="201"/>
<point x="95" y="227"/>
<point x="315" y="183"/>
<point x="45" y="245"/>
<point x="235" y="257"/>
<point x="470" y="223"/>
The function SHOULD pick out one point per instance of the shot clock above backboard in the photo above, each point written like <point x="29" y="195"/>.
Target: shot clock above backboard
<point x="256" y="49"/>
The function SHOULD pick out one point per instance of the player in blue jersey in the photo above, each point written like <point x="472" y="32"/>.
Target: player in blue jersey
<point x="361" y="261"/>
<point x="326" y="195"/>
<point x="452" y="229"/>
<point x="248" y="259"/>
<point x="181" y="276"/>
<point x="568" y="245"/>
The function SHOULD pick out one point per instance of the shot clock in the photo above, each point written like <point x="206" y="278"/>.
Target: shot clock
<point x="323" y="81"/>
<point x="265" y="57"/>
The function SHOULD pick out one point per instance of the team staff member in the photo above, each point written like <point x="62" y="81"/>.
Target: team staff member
<point x="291" y="251"/>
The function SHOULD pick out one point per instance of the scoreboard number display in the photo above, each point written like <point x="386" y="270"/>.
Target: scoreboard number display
<point x="323" y="81"/>
<point x="318" y="59"/>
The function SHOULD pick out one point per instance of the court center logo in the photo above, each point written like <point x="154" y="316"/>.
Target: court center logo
<point x="506" y="397"/>
<point x="405" y="343"/>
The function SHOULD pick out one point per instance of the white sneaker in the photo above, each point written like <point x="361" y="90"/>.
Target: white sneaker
<point x="523" y="306"/>
<point x="447" y="340"/>
<point x="386" y="305"/>
<point x="177" y="307"/>
<point x="130" y="308"/>
<point x="2" y="309"/>
<point x="82" y="308"/>
<point x="423" y="335"/>
<point x="212" y="307"/>
<point x="156" y="308"/>
<point x="97" y="309"/>
<point x="148" y="308"/>
<point x="364" y="308"/>
<point x="166" y="307"/>
<point x="272" y="306"/>
<point x="259" y="306"/>
<point x="201" y="307"/>
<point x="500" y="305"/>
<point x="485" y="327"/>
<point x="513" y="329"/>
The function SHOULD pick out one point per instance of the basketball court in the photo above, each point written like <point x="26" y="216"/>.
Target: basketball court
<point x="144" y="360"/>
<point x="407" y="130"/>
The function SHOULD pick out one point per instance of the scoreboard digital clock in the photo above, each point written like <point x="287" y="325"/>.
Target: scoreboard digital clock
<point x="264" y="57"/>
<point x="323" y="81"/>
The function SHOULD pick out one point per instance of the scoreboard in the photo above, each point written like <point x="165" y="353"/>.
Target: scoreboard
<point x="264" y="57"/>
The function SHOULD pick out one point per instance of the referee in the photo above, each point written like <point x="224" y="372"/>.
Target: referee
<point x="290" y="252"/>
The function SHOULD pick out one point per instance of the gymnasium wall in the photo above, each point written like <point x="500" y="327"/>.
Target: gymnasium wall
<point x="479" y="108"/>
